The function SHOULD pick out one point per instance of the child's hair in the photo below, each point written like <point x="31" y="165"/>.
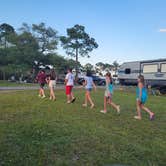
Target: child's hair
<point x="108" y="74"/>
<point x="52" y="73"/>
<point x="141" y="77"/>
<point x="69" y="69"/>
<point x="42" y="70"/>
<point x="88" y="73"/>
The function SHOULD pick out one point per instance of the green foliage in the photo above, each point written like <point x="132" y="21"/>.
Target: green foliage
<point x="78" y="39"/>
<point x="46" y="36"/>
<point x="88" y="66"/>
<point x="36" y="131"/>
<point x="78" y="42"/>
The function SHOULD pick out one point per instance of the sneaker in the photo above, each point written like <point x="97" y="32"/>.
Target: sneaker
<point x="43" y="97"/>
<point x="68" y="102"/>
<point x="137" y="117"/>
<point x="118" y="109"/>
<point x="103" y="111"/>
<point x="39" y="95"/>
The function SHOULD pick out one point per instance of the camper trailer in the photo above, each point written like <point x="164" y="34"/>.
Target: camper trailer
<point x="154" y="72"/>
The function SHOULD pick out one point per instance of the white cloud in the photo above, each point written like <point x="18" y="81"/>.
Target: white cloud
<point x="162" y="30"/>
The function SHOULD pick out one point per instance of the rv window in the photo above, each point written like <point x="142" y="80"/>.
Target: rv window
<point x="163" y="67"/>
<point x="127" y="71"/>
<point x="150" y="68"/>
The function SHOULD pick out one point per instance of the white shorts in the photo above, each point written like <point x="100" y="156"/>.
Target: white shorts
<point x="108" y="94"/>
<point x="52" y="83"/>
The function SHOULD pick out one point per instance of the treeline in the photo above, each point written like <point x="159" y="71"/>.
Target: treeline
<point x="25" y="51"/>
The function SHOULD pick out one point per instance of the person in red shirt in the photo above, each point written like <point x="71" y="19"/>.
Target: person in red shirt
<point x="41" y="78"/>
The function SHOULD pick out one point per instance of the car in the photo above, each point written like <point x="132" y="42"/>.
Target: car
<point x="96" y="79"/>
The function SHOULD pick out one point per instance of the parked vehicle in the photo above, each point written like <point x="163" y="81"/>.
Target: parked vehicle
<point x="154" y="72"/>
<point x="96" y="79"/>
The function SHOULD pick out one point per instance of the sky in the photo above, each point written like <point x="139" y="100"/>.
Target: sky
<point x="126" y="30"/>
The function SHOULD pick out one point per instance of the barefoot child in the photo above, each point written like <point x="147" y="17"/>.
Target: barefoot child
<point x="51" y="80"/>
<point x="141" y="99"/>
<point x="69" y="82"/>
<point x="88" y="84"/>
<point x="108" y="95"/>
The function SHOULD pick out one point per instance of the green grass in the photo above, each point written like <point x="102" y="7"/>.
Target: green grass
<point x="36" y="131"/>
<point x="15" y="84"/>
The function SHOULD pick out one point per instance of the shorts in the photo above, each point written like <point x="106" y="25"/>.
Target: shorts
<point x="108" y="94"/>
<point x="68" y="89"/>
<point x="88" y="89"/>
<point x="52" y="84"/>
<point x="42" y="85"/>
<point x="142" y="101"/>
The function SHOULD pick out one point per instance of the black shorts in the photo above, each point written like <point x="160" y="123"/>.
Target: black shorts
<point x="42" y="85"/>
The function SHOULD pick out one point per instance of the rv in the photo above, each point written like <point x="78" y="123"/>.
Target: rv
<point x="154" y="72"/>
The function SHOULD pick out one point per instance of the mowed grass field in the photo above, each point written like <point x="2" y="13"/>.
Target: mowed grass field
<point x="40" y="132"/>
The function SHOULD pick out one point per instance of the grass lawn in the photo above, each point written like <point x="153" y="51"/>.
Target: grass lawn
<point x="36" y="131"/>
<point x="14" y="84"/>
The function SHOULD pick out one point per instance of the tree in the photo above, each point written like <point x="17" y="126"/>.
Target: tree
<point x="115" y="65"/>
<point x="46" y="37"/>
<point x="78" y="42"/>
<point x="88" y="66"/>
<point x="6" y="31"/>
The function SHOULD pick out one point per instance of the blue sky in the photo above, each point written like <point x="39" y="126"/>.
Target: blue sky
<point x="126" y="30"/>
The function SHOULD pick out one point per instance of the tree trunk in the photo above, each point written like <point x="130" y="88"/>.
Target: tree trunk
<point x="76" y="64"/>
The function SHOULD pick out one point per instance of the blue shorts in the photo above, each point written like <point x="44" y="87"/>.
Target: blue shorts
<point x="89" y="89"/>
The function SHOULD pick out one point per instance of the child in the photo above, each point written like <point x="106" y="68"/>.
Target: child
<point x="141" y="99"/>
<point x="108" y="95"/>
<point x="88" y="84"/>
<point x="41" y="78"/>
<point x="52" y="83"/>
<point x="69" y="82"/>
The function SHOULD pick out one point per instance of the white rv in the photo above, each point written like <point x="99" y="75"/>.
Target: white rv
<point x="154" y="72"/>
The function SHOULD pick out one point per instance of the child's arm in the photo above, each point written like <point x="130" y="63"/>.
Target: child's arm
<point x="94" y="86"/>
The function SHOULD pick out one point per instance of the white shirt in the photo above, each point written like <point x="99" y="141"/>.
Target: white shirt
<point x="70" y="79"/>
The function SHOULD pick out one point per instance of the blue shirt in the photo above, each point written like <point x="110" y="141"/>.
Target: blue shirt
<point x="89" y="82"/>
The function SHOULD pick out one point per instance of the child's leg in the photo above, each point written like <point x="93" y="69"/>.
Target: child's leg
<point x="89" y="99"/>
<point x="86" y="99"/>
<point x="138" y="110"/>
<point x="147" y="110"/>
<point x="117" y="107"/>
<point x="52" y="95"/>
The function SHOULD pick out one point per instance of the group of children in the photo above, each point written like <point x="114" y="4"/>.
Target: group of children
<point x="88" y="84"/>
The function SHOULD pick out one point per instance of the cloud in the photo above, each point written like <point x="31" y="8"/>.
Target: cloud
<point x="162" y="30"/>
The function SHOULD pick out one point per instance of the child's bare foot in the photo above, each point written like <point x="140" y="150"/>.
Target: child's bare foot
<point x="103" y="111"/>
<point x="68" y="102"/>
<point x="84" y="105"/>
<point x="92" y="106"/>
<point x="137" y="117"/>
<point x="118" y="109"/>
<point x="152" y="116"/>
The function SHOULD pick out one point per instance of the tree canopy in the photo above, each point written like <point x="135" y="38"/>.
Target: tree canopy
<point x="78" y="43"/>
